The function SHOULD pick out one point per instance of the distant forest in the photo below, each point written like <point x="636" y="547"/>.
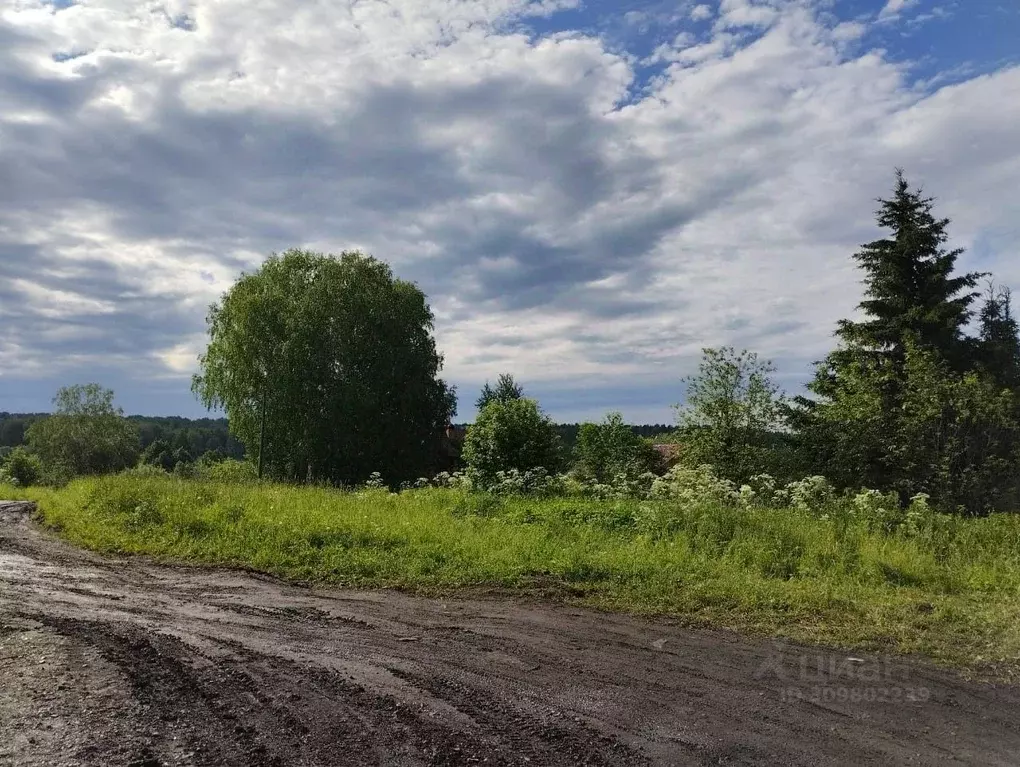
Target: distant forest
<point x="196" y="435"/>
<point x="200" y="435"/>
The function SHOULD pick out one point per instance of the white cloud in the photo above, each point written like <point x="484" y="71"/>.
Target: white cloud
<point x="558" y="234"/>
<point x="746" y="13"/>
<point x="701" y="12"/>
<point x="849" y="30"/>
<point x="57" y="304"/>
<point x="893" y="8"/>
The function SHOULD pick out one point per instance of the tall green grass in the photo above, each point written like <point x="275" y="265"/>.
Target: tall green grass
<point x="950" y="589"/>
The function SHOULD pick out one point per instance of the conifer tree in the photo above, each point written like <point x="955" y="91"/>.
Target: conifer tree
<point x="912" y="296"/>
<point x="865" y="425"/>
<point x="999" y="340"/>
<point x="911" y="291"/>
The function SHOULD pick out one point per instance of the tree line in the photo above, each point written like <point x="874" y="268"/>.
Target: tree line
<point x="198" y="436"/>
<point x="327" y="370"/>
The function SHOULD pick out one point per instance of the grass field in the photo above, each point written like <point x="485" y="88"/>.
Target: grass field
<point x="949" y="590"/>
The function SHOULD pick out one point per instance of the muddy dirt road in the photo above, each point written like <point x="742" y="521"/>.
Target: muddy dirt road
<point x="122" y="662"/>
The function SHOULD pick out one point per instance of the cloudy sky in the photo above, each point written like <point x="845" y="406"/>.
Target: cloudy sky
<point x="589" y="191"/>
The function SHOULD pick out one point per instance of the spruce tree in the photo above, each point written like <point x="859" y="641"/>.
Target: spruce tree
<point x="910" y="286"/>
<point x="915" y="307"/>
<point x="999" y="340"/>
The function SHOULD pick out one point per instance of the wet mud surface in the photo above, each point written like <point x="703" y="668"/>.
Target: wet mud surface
<point x="114" y="661"/>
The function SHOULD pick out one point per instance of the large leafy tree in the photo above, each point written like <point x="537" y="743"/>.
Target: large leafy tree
<point x="511" y="434"/>
<point x="85" y="435"/>
<point x="327" y="369"/>
<point x="732" y="410"/>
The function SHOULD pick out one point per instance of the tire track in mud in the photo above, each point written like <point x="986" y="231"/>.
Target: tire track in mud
<point x="120" y="661"/>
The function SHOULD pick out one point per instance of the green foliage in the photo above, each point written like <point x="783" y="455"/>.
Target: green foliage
<point x="608" y="449"/>
<point x="953" y="436"/>
<point x="196" y="435"/>
<point x="14" y="425"/>
<point x="145" y="470"/>
<point x="85" y="435"/>
<point x="159" y="454"/>
<point x="210" y="457"/>
<point x="732" y="409"/>
<point x="229" y="470"/>
<point x="20" y="468"/>
<point x="182" y="455"/>
<point x="998" y="349"/>
<point x="907" y="403"/>
<point x="881" y="510"/>
<point x="511" y="434"/>
<point x="506" y="389"/>
<point x="693" y="486"/>
<point x="812" y="493"/>
<point x="338" y="357"/>
<point x="535" y="482"/>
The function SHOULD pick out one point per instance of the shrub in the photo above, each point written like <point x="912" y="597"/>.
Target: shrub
<point x="507" y="435"/>
<point x="159" y="454"/>
<point x="230" y="470"/>
<point x="919" y="516"/>
<point x="809" y="494"/>
<point x="694" y="485"/>
<point x="144" y="470"/>
<point x="185" y="470"/>
<point x="182" y="455"/>
<point x="764" y="488"/>
<point x="21" y="468"/>
<point x="878" y="510"/>
<point x="535" y="481"/>
<point x="457" y="480"/>
<point x="85" y="435"/>
<point x="607" y="450"/>
<point x="212" y="456"/>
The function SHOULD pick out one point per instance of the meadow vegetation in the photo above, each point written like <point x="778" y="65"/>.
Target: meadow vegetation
<point x="851" y="571"/>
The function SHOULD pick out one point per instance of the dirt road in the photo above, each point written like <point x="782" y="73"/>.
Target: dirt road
<point x="123" y="662"/>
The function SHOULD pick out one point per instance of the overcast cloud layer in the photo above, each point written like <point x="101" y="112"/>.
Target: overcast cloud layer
<point x="588" y="195"/>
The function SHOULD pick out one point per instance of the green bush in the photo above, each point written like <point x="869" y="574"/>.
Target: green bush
<point x="229" y="470"/>
<point x="144" y="470"/>
<point x="86" y="435"/>
<point x="694" y="486"/>
<point x="21" y="468"/>
<point x="609" y="450"/>
<point x="160" y="454"/>
<point x="509" y="435"/>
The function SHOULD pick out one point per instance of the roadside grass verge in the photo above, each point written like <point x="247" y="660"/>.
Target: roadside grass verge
<point x="949" y="590"/>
